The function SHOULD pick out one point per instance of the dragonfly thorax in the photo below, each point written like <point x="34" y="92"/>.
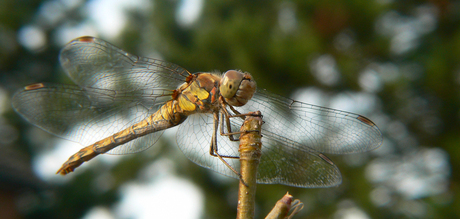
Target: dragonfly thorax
<point x="237" y="87"/>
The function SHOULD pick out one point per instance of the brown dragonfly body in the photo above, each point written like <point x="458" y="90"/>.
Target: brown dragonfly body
<point x="199" y="95"/>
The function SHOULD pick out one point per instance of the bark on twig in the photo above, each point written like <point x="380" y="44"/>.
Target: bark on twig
<point x="250" y="152"/>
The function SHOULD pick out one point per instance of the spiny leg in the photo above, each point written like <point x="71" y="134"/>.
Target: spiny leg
<point x="227" y="116"/>
<point x="216" y="153"/>
<point x="238" y="114"/>
<point x="213" y="149"/>
<point x="230" y="134"/>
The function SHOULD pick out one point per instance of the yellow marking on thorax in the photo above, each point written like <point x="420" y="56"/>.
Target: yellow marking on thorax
<point x="192" y="96"/>
<point x="199" y="92"/>
<point x="186" y="105"/>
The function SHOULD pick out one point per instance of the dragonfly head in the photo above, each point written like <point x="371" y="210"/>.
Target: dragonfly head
<point x="237" y="87"/>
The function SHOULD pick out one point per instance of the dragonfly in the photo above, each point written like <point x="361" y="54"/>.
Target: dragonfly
<point x="122" y="103"/>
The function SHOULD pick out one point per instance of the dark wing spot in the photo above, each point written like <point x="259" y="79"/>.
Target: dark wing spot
<point x="326" y="159"/>
<point x="34" y="86"/>
<point x="366" y="120"/>
<point x="86" y="39"/>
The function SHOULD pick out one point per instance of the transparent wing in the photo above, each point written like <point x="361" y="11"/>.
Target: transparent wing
<point x="281" y="162"/>
<point x="116" y="90"/>
<point x="83" y="115"/>
<point x="92" y="62"/>
<point x="194" y="139"/>
<point x="313" y="127"/>
<point x="295" y="136"/>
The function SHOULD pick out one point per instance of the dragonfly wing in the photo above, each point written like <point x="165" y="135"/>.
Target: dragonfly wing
<point x="92" y="62"/>
<point x="289" y="166"/>
<point x="296" y="134"/>
<point x="278" y="165"/>
<point x="115" y="90"/>
<point x="315" y="128"/>
<point x="194" y="139"/>
<point x="84" y="115"/>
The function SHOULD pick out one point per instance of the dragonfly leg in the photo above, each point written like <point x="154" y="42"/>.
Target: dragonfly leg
<point x="230" y="134"/>
<point x="214" y="152"/>
<point x="238" y="114"/>
<point x="213" y="149"/>
<point x="226" y="115"/>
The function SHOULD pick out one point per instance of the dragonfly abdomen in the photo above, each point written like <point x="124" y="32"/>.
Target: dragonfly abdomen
<point x="166" y="117"/>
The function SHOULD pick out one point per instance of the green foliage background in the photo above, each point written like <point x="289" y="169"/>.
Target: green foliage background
<point x="416" y="91"/>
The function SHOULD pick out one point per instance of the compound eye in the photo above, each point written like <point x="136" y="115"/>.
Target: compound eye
<point x="237" y="88"/>
<point x="230" y="83"/>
